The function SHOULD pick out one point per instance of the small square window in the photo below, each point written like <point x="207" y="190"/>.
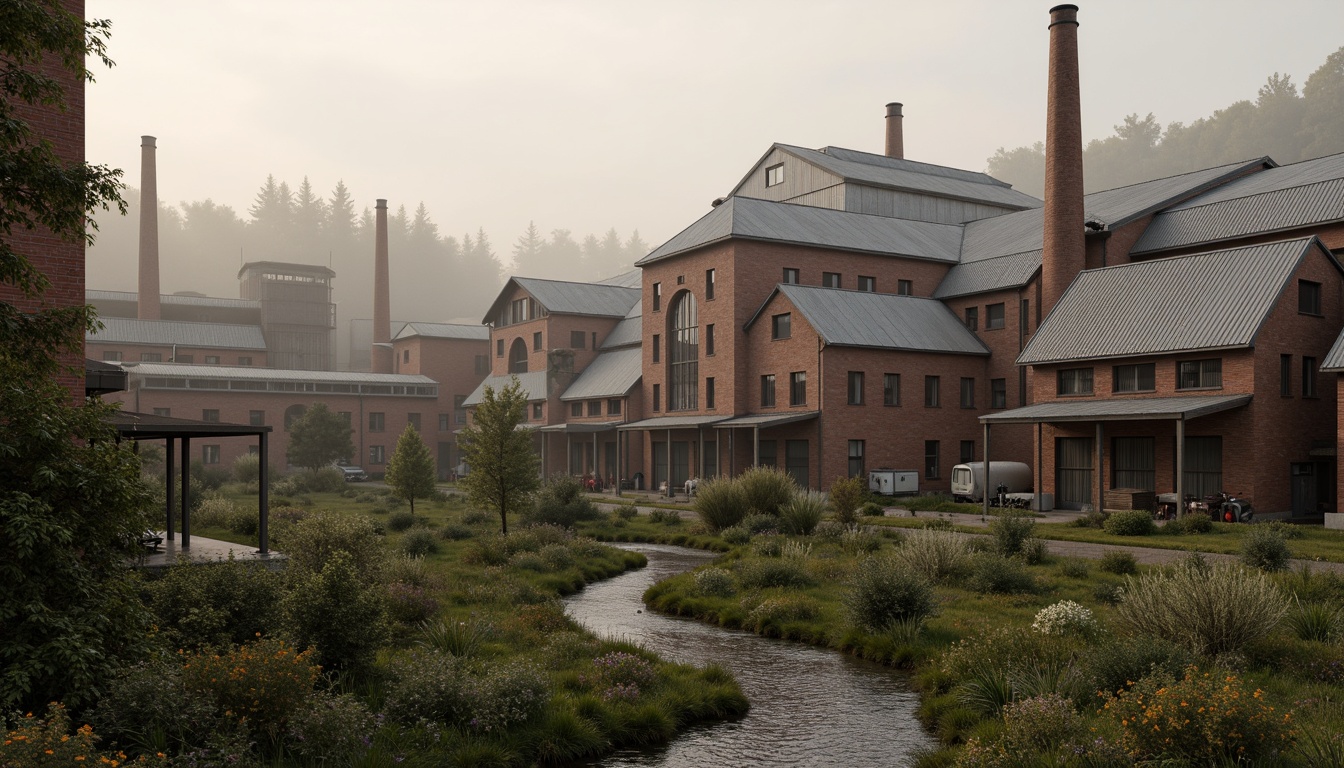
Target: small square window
<point x="905" y="287"/>
<point x="830" y="279"/>
<point x="576" y="409"/>
<point x="781" y="326"/>
<point x="614" y="407"/>
<point x="413" y="420"/>
<point x="244" y="360"/>
<point x="210" y="414"/>
<point x="774" y="175"/>
<point x="790" y="275"/>
<point x="594" y="407"/>
<point x="1308" y="297"/>
<point x="256" y="418"/>
<point x="994" y="316"/>
<point x="576" y="339"/>
<point x="376" y="421"/>
<point x="867" y="283"/>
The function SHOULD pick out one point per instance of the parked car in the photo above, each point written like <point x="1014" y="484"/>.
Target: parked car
<point x="353" y="474"/>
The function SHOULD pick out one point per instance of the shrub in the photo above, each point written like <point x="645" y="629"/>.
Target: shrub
<point x="763" y="573"/>
<point x="1034" y="551"/>
<point x="767" y="546"/>
<point x="886" y="590"/>
<point x="720" y="503"/>
<point x="401" y="520"/>
<point x="313" y="541"/>
<point x="1110" y="594"/>
<point x="331" y="729"/>
<point x="222" y="603"/>
<point x="872" y="509"/>
<point x="774" y="610"/>
<point x="214" y="512"/>
<point x="260" y="683"/>
<point x="1213" y="612"/>
<point x="1264" y="547"/>
<point x="1074" y="568"/>
<point x="561" y="502"/>
<point x="828" y="530"/>
<point x="1114" y="664"/>
<point x="152" y="699"/>
<point x="629" y="511"/>
<point x="757" y="524"/>
<point x="1199" y="719"/>
<point x="505" y="695"/>
<point x="938" y="524"/>
<point x="425" y="684"/>
<point x="996" y="574"/>
<point x="800" y="516"/>
<point x="1130" y="522"/>
<point x="418" y="542"/>
<point x="1315" y="622"/>
<point x="1284" y="529"/>
<point x="664" y="516"/>
<point x="247" y="468"/>
<point x="476" y="517"/>
<point x="337" y="611"/>
<point x="1093" y="518"/>
<point x="456" y="532"/>
<point x="847" y="494"/>
<point x="1122" y="563"/>
<point x="1065" y="618"/>
<point x="855" y="542"/>
<point x="409" y="603"/>
<point x="766" y="489"/>
<point x="938" y="555"/>
<point x="1193" y="523"/>
<point x="1010" y="530"/>
<point x="39" y="742"/>
<point x="736" y="535"/>
<point x="1040" y="723"/>
<point x="714" y="582"/>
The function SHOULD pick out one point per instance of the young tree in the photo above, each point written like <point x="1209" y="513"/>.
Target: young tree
<point x="503" y="465"/>
<point x="70" y="497"/>
<point x="319" y="437"/>
<point x="410" y="472"/>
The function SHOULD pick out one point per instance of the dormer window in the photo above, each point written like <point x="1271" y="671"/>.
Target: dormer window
<point x="774" y="175"/>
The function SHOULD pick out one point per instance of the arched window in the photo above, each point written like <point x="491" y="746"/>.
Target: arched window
<point x="294" y="413"/>
<point x="518" y="357"/>
<point x="683" y="355"/>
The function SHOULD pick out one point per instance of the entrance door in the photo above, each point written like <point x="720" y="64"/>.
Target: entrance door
<point x="445" y="460"/>
<point x="795" y="462"/>
<point x="1073" y="472"/>
<point x="659" y="465"/>
<point x="609" y="458"/>
<point x="681" y="463"/>
<point x="1304" y="489"/>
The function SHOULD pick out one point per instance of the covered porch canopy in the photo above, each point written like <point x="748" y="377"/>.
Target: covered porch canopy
<point x="144" y="426"/>
<point x="582" y="428"/>
<point x="756" y="422"/>
<point x="669" y="423"/>
<point x="1177" y="409"/>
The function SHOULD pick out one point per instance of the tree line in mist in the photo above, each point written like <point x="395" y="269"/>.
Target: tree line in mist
<point x="434" y="276"/>
<point x="1281" y="123"/>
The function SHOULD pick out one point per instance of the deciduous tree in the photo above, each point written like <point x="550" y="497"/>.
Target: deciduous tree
<point x="503" y="465"/>
<point x="410" y="471"/>
<point x="319" y="437"/>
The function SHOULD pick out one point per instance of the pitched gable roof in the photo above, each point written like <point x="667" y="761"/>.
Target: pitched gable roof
<point x="561" y="297"/>
<point x="444" y="331"/>
<point x="1215" y="300"/>
<point x="164" y="333"/>
<point x="878" y="320"/>
<point x="611" y="374"/>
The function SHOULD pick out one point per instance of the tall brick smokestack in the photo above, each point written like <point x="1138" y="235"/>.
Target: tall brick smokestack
<point x="382" y="297"/>
<point x="147" y="303"/>
<point x="1063" y="248"/>
<point x="895" y="138"/>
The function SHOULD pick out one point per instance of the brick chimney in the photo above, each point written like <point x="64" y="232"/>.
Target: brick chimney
<point x="1063" y="248"/>
<point x="147" y="301"/>
<point x="382" y="314"/>
<point x="895" y="139"/>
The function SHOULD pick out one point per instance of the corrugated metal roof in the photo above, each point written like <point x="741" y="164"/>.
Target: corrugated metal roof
<point x="1204" y="301"/>
<point x="897" y="173"/>
<point x="533" y="383"/>
<point x="766" y="420"/>
<point x="582" y="427"/>
<point x="445" y="331"/>
<point x="1119" y="409"/>
<point x="1334" y="361"/>
<point x="672" y="422"/>
<point x="631" y="279"/>
<point x="165" y="333"/>
<point x="985" y="275"/>
<point x="626" y="333"/>
<point x="754" y="219"/>
<point x="1298" y="195"/>
<point x="611" y="374"/>
<point x="246" y="372"/>
<point x="880" y="320"/>
<point x="94" y="296"/>
<point x="566" y="298"/>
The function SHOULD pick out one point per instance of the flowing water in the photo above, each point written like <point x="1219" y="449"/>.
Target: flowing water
<point x="809" y="707"/>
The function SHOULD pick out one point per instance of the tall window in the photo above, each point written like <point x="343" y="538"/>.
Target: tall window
<point x="657" y="397"/>
<point x="1024" y="316"/>
<point x="377" y="455"/>
<point x="1308" y="297"/>
<point x="709" y="339"/>
<point x="376" y="421"/>
<point x="518" y="357"/>
<point x="537" y="410"/>
<point x="709" y="392"/>
<point x="1134" y="463"/>
<point x="856" y="387"/>
<point x="536" y="341"/>
<point x="994" y="316"/>
<point x="905" y="287"/>
<point x="482" y="364"/>
<point x="967" y="393"/>
<point x="967" y="452"/>
<point x="1134" y="378"/>
<point x="657" y="347"/>
<point x="709" y="285"/>
<point x="1199" y="374"/>
<point x="1308" y="377"/>
<point x="932" y="398"/>
<point x="790" y="275"/>
<point x="867" y="283"/>
<point x="798" y="388"/>
<point x="1075" y="381"/>
<point x="830" y="279"/>
<point x="1286" y="375"/>
<point x="998" y="393"/>
<point x="413" y="420"/>
<point x="460" y="409"/>
<point x="614" y="407"/>
<point x="1203" y="465"/>
<point x="209" y="454"/>
<point x="781" y="326"/>
<point x="891" y="389"/>
<point x="973" y="318"/>
<point x="856" y="458"/>
<point x="768" y="390"/>
<point x="499" y="348"/>
<point x="931" y="459"/>
<point x="683" y="356"/>
<point x="657" y="296"/>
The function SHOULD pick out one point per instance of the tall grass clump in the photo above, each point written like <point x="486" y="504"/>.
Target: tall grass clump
<point x="1210" y="610"/>
<point x="1315" y="622"/>
<point x="938" y="555"/>
<point x="847" y="495"/>
<point x="720" y="503"/>
<point x="801" y="514"/>
<point x="1010" y="531"/>
<point x="766" y="490"/>
<point x="884" y="591"/>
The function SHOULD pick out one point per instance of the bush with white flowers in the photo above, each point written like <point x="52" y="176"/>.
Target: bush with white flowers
<point x="1065" y="618"/>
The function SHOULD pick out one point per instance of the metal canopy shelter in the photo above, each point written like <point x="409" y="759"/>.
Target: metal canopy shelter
<point x="143" y="426"/>
<point x="583" y="428"/>
<point x="1177" y="409"/>
<point x="670" y="423"/>
<point x="760" y="421"/>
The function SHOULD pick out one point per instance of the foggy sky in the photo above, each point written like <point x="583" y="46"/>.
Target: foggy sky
<point x="592" y="115"/>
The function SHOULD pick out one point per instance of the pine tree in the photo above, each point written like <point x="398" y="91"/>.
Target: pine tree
<point x="527" y="252"/>
<point x="503" y="466"/>
<point x="410" y="471"/>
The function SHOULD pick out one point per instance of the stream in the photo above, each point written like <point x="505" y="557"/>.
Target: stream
<point x="809" y="706"/>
